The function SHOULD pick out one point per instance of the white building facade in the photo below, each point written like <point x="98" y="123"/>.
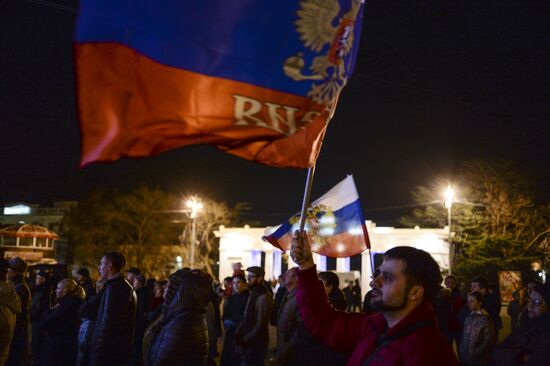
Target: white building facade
<point x="245" y="245"/>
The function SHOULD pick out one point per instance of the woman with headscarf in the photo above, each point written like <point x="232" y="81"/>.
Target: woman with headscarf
<point x="182" y="337"/>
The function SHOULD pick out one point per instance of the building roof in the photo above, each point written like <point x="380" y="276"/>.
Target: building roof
<point x="27" y="231"/>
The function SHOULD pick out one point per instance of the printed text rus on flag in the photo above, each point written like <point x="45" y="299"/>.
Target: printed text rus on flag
<point x="334" y="224"/>
<point x="257" y="79"/>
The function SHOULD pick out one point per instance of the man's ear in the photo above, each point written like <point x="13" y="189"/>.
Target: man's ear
<point x="416" y="293"/>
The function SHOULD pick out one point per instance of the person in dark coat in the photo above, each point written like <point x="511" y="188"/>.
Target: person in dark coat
<point x="154" y="319"/>
<point x="155" y="305"/>
<point x="517" y="306"/>
<point x="84" y="280"/>
<point x="491" y="301"/>
<point x="356" y="288"/>
<point x="233" y="313"/>
<point x="88" y="315"/>
<point x="289" y="322"/>
<point x="458" y="311"/>
<point x="308" y="350"/>
<point x="528" y="345"/>
<point x="60" y="326"/>
<point x="252" y="335"/>
<point x="442" y="306"/>
<point x="183" y="336"/>
<point x="336" y="297"/>
<point x="41" y="302"/>
<point x="112" y="338"/>
<point x="348" y="295"/>
<point x="478" y="337"/>
<point x="213" y="324"/>
<point x="403" y="333"/>
<point x="143" y="300"/>
<point x="279" y="296"/>
<point x="19" y="348"/>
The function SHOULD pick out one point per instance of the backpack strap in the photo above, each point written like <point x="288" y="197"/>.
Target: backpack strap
<point x="384" y="341"/>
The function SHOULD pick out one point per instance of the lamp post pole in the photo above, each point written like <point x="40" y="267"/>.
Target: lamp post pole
<point x="195" y="206"/>
<point x="449" y="195"/>
<point x="193" y="239"/>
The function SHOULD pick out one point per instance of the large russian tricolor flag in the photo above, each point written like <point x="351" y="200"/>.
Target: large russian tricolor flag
<point x="257" y="79"/>
<point x="335" y="224"/>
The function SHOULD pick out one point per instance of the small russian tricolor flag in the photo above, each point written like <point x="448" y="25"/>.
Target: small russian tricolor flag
<point x="335" y="224"/>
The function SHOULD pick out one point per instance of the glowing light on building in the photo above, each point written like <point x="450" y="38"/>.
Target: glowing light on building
<point x="17" y="210"/>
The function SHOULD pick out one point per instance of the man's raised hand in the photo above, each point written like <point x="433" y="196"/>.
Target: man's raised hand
<point x="300" y="250"/>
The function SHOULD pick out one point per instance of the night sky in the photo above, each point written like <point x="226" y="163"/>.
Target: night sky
<point x="436" y="82"/>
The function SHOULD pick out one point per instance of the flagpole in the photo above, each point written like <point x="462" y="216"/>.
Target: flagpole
<point x="371" y="262"/>
<point x="307" y="196"/>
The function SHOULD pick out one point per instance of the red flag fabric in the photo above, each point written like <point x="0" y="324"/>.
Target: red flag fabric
<point x="256" y="79"/>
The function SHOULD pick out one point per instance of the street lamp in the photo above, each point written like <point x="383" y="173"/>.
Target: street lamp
<point x="449" y="196"/>
<point x="195" y="206"/>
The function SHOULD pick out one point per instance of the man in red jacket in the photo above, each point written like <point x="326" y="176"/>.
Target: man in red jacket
<point x="404" y="332"/>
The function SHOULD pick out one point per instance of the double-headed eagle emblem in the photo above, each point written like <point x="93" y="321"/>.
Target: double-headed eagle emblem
<point x="320" y="224"/>
<point x="316" y="29"/>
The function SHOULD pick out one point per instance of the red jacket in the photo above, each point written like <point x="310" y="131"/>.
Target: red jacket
<point x="356" y="334"/>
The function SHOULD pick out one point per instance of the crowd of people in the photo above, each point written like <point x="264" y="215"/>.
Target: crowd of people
<point x="471" y="321"/>
<point x="407" y="317"/>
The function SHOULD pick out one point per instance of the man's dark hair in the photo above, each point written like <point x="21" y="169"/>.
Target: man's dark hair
<point x="228" y="279"/>
<point x="477" y="295"/>
<point x="420" y="269"/>
<point x="331" y="278"/>
<point x="117" y="260"/>
<point x="161" y="282"/>
<point x="483" y="283"/>
<point x="450" y="276"/>
<point x="240" y="276"/>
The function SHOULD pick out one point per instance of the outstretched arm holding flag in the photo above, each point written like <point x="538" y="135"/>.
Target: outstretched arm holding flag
<point x="403" y="333"/>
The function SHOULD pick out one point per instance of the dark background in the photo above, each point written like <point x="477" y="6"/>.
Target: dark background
<point x="436" y="83"/>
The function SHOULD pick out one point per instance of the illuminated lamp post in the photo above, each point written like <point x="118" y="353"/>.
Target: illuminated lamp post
<point x="195" y="206"/>
<point x="449" y="197"/>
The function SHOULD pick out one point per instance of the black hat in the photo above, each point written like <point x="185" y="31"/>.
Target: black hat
<point x="44" y="274"/>
<point x="258" y="271"/>
<point x="18" y="265"/>
<point x="83" y="271"/>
